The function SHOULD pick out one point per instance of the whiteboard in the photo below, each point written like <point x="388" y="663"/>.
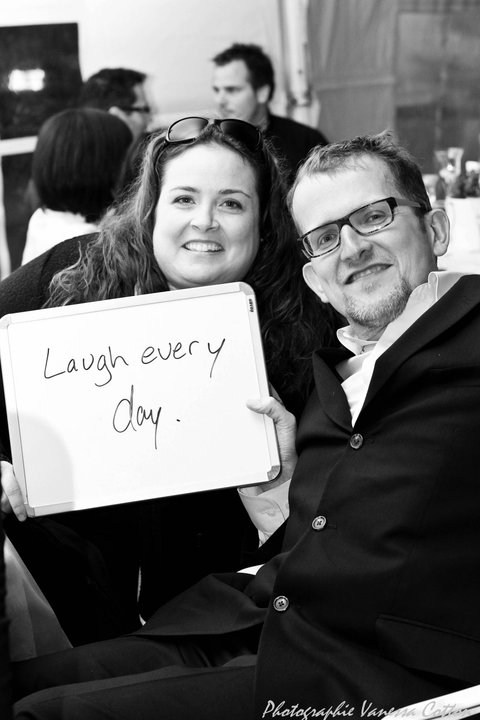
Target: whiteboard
<point x="134" y="398"/>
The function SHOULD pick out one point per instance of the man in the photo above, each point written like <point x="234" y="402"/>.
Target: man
<point x="243" y="85"/>
<point x="120" y="91"/>
<point x="373" y="601"/>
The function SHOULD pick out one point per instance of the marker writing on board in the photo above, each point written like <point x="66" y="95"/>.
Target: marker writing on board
<point x="127" y="416"/>
<point x="178" y="351"/>
<point x="216" y="353"/>
<point x="100" y="363"/>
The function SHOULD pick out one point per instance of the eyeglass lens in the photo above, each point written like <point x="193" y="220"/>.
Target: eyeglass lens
<point x="186" y="129"/>
<point x="366" y="220"/>
<point x="242" y="131"/>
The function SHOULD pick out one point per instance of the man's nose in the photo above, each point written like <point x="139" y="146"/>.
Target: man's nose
<point x="352" y="244"/>
<point x="220" y="97"/>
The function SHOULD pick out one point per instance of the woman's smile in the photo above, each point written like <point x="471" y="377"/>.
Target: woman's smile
<point x="203" y="246"/>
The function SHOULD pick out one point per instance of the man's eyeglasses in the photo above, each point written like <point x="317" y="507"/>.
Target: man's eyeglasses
<point x="136" y="108"/>
<point x="367" y="220"/>
<point x="188" y="129"/>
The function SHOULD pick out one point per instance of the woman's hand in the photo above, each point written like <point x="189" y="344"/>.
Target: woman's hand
<point x="286" y="428"/>
<point x="12" y="498"/>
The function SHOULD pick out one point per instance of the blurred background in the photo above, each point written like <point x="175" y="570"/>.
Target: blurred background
<point x="347" y="67"/>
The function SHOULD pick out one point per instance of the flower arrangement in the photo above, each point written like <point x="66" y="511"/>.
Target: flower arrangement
<point x="467" y="184"/>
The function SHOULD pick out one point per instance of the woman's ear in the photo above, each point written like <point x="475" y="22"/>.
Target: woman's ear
<point x="438" y="229"/>
<point x="313" y="282"/>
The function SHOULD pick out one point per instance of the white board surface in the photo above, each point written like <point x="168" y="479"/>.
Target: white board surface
<point x="129" y="399"/>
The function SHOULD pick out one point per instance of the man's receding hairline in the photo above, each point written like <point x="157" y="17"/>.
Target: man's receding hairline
<point x="351" y="162"/>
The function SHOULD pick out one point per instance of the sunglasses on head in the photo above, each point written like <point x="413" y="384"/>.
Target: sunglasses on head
<point x="189" y="129"/>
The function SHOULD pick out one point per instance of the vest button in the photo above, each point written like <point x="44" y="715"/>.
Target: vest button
<point x="281" y="603"/>
<point x="356" y="441"/>
<point x="319" y="522"/>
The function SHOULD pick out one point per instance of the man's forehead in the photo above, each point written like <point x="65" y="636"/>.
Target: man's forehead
<point x="233" y="73"/>
<point x="328" y="195"/>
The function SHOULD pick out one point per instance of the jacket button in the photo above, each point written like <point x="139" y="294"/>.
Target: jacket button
<point x="281" y="603"/>
<point x="356" y="441"/>
<point x="319" y="522"/>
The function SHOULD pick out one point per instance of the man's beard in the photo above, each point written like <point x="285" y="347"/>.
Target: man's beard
<point x="377" y="316"/>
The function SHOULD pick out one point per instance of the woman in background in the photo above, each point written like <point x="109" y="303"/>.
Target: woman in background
<point x="208" y="207"/>
<point x="75" y="170"/>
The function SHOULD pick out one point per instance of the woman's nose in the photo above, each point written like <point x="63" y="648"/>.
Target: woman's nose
<point x="204" y="219"/>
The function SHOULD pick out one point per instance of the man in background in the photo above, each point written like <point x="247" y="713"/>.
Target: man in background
<point x="121" y="92"/>
<point x="243" y="85"/>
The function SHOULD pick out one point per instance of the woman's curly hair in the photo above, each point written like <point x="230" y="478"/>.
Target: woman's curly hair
<point x="120" y="261"/>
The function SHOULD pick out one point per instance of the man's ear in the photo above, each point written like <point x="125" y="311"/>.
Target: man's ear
<point x="263" y="94"/>
<point x="311" y="278"/>
<point x="438" y="230"/>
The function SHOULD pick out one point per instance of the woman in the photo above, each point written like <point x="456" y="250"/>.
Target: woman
<point x="75" y="170"/>
<point x="207" y="207"/>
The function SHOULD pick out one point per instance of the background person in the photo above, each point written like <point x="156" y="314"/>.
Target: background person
<point x="208" y="208"/>
<point x="373" y="603"/>
<point x="75" y="170"/>
<point x="120" y="91"/>
<point x="243" y="85"/>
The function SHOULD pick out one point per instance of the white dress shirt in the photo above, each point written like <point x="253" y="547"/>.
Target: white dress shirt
<point x="47" y="228"/>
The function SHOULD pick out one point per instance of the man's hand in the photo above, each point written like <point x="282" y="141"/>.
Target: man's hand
<point x="12" y="499"/>
<point x="286" y="428"/>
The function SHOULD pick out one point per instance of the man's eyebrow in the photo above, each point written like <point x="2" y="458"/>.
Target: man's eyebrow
<point x="228" y="88"/>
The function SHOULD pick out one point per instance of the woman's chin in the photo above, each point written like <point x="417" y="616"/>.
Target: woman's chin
<point x="197" y="280"/>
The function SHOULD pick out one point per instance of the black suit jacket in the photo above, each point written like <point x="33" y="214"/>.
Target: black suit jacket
<point x="293" y="140"/>
<point x="376" y="605"/>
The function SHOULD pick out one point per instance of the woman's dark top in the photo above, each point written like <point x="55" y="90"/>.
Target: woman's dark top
<point x="86" y="562"/>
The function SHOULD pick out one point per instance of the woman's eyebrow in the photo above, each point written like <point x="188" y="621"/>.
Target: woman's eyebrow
<point x="183" y="188"/>
<point x="225" y="191"/>
<point x="229" y="191"/>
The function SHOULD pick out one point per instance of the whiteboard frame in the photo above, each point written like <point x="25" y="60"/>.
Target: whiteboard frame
<point x="106" y="306"/>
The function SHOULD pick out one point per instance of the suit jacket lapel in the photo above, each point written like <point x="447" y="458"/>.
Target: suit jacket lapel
<point x="458" y="301"/>
<point x="329" y="389"/>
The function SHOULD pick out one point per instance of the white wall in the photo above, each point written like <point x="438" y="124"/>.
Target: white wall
<point x="171" y="40"/>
